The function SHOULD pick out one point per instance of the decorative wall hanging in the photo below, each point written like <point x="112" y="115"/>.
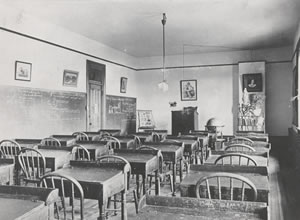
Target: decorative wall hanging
<point x="123" y="84"/>
<point x="188" y="90"/>
<point x="253" y="82"/>
<point x="22" y="71"/>
<point x="70" y="78"/>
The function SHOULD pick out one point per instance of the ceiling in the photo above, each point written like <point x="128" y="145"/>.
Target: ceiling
<point x="193" y="26"/>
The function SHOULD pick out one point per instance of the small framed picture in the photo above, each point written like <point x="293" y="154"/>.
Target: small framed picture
<point x="70" y="78"/>
<point x="253" y="82"/>
<point x="22" y="71"/>
<point x="188" y="90"/>
<point x="123" y="85"/>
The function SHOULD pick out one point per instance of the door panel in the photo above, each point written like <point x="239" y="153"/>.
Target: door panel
<point x="95" y="95"/>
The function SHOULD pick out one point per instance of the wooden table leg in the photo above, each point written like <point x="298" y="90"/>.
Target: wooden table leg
<point x="101" y="210"/>
<point x="123" y="205"/>
<point x="180" y="170"/>
<point x="174" y="179"/>
<point x="144" y="183"/>
<point x="157" y="183"/>
<point x="137" y="185"/>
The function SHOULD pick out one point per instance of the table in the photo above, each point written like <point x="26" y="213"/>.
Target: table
<point x="261" y="158"/>
<point x="126" y="142"/>
<point x="173" y="154"/>
<point x="56" y="157"/>
<point x="28" y="143"/>
<point x="179" y="208"/>
<point x="65" y="140"/>
<point x="95" y="148"/>
<point x="27" y="203"/>
<point x="258" y="175"/>
<point x="7" y="167"/>
<point x="144" y="136"/>
<point x="100" y="181"/>
<point x="142" y="162"/>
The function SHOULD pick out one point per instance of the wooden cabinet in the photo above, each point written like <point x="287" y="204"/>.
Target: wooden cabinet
<point x="184" y="121"/>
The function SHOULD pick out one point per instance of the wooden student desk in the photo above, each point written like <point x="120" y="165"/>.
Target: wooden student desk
<point x="56" y="157"/>
<point x="262" y="159"/>
<point x="258" y="175"/>
<point x="95" y="148"/>
<point x="7" y="167"/>
<point x="126" y="142"/>
<point x="27" y="203"/>
<point x="171" y="153"/>
<point x="100" y="181"/>
<point x="65" y="140"/>
<point x="143" y="136"/>
<point x="28" y="143"/>
<point x="142" y="162"/>
<point x="180" y="208"/>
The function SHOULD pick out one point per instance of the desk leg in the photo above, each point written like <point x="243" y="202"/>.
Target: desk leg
<point x="137" y="185"/>
<point x="174" y="179"/>
<point x="144" y="184"/>
<point x="157" y="183"/>
<point x="180" y="169"/>
<point x="101" y="210"/>
<point x="123" y="205"/>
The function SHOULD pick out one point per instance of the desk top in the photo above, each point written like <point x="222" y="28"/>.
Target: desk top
<point x="28" y="143"/>
<point x="65" y="140"/>
<point x="55" y="153"/>
<point x="178" y="208"/>
<point x="165" y="147"/>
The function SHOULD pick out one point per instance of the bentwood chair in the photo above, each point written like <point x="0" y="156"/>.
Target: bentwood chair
<point x="68" y="188"/>
<point x="80" y="136"/>
<point x="50" y="141"/>
<point x="79" y="152"/>
<point x="236" y="159"/>
<point x="239" y="148"/>
<point x="33" y="165"/>
<point x="223" y="186"/>
<point x="9" y="148"/>
<point x="112" y="142"/>
<point x="241" y="140"/>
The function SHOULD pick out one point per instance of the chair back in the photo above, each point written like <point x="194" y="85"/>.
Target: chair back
<point x="236" y="159"/>
<point x="155" y="137"/>
<point x="50" y="141"/>
<point x="79" y="152"/>
<point x="241" y="140"/>
<point x="68" y="187"/>
<point x="33" y="165"/>
<point x="223" y="180"/>
<point x="80" y="136"/>
<point x="9" y="148"/>
<point x="112" y="142"/>
<point x="240" y="148"/>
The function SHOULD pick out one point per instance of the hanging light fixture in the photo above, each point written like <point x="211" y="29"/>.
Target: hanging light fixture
<point x="163" y="85"/>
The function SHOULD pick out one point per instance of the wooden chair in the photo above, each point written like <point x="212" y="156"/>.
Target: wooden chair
<point x="79" y="152"/>
<point x="9" y="148"/>
<point x="137" y="141"/>
<point x="203" y="186"/>
<point x="127" y="172"/>
<point x="80" y="136"/>
<point x="50" y="141"/>
<point x="68" y="187"/>
<point x="241" y="140"/>
<point x="239" y="148"/>
<point x="112" y="142"/>
<point x="33" y="165"/>
<point x="235" y="157"/>
<point x="155" y="137"/>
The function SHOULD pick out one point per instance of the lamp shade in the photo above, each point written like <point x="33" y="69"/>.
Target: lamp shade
<point x="163" y="86"/>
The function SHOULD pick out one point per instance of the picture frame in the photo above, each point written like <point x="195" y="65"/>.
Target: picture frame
<point x="70" y="78"/>
<point x="23" y="71"/>
<point x="253" y="82"/>
<point x="188" y="90"/>
<point x="123" y="84"/>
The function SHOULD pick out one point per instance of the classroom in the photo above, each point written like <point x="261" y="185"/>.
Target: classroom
<point x="162" y="109"/>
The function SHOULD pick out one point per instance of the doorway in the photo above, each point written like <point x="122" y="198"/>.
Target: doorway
<point x="95" y="95"/>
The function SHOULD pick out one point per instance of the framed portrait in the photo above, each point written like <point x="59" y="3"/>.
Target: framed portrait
<point x="253" y="82"/>
<point x="70" y="78"/>
<point x="188" y="90"/>
<point x="123" y="84"/>
<point x="22" y="71"/>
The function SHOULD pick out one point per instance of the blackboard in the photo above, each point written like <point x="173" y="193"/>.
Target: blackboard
<point x="37" y="113"/>
<point x="121" y="113"/>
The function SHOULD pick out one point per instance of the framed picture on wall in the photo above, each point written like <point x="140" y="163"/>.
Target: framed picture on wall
<point x="188" y="90"/>
<point x="70" y="78"/>
<point x="253" y="82"/>
<point x="123" y="85"/>
<point x="22" y="71"/>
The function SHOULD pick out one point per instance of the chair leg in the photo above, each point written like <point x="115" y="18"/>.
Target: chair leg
<point x="136" y="202"/>
<point x="171" y="183"/>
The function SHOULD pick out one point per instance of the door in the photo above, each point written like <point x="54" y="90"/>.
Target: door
<point x="95" y="100"/>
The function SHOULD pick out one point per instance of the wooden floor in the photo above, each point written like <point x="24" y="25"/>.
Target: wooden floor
<point x="284" y="196"/>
